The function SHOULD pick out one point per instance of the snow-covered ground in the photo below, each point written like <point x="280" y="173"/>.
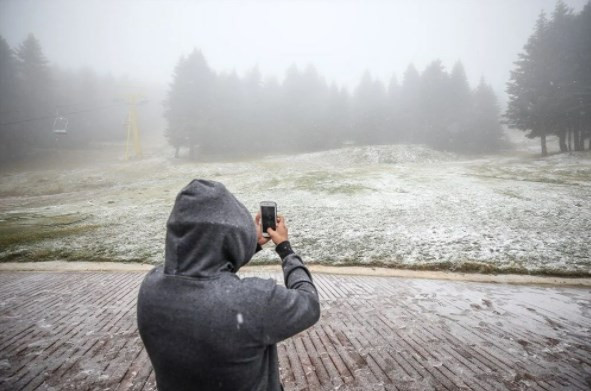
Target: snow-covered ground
<point x="403" y="206"/>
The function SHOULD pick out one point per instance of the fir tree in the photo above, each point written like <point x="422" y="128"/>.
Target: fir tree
<point x="434" y="106"/>
<point x="189" y="105"/>
<point x="9" y="95"/>
<point x="393" y="113"/>
<point x="549" y="87"/>
<point x="528" y="88"/>
<point x="580" y="111"/>
<point x="409" y="106"/>
<point x="37" y="98"/>
<point x="460" y="106"/>
<point x="369" y="110"/>
<point x="485" y="132"/>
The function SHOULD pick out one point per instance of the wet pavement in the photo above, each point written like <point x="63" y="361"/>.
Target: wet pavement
<point x="77" y="331"/>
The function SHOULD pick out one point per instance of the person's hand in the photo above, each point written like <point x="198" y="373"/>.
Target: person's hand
<point x="261" y="240"/>
<point x="279" y="234"/>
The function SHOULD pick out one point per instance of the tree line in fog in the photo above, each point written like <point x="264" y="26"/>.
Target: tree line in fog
<point x="213" y="113"/>
<point x="223" y="113"/>
<point x="217" y="113"/>
<point x="550" y="87"/>
<point x="33" y="94"/>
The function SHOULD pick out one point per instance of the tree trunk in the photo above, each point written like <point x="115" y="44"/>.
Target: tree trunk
<point x="577" y="139"/>
<point x="543" y="143"/>
<point x="570" y="138"/>
<point x="176" y="152"/>
<point x="562" y="141"/>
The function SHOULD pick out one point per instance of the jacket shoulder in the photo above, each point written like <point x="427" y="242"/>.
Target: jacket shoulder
<point x="258" y="284"/>
<point x="155" y="273"/>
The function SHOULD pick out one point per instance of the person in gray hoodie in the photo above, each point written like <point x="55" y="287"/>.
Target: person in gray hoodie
<point x="204" y="328"/>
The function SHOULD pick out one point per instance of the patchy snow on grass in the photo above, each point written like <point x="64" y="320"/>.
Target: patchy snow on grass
<point x="401" y="205"/>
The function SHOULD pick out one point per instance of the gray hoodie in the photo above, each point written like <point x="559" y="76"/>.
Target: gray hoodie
<point x="204" y="328"/>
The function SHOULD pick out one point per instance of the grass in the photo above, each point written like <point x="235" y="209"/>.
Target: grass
<point x="328" y="182"/>
<point x="315" y="179"/>
<point x="24" y="229"/>
<point x="144" y="191"/>
<point x="513" y="194"/>
<point x="458" y="267"/>
<point x="20" y="232"/>
<point x="68" y="255"/>
<point x="346" y="189"/>
<point x="472" y="267"/>
<point x="540" y="171"/>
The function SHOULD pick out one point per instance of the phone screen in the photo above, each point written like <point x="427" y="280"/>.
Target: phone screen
<point x="268" y="217"/>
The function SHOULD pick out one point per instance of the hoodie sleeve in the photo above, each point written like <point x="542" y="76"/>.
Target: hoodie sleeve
<point x="295" y="307"/>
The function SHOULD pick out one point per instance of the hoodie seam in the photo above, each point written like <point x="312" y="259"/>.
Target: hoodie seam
<point x="211" y="277"/>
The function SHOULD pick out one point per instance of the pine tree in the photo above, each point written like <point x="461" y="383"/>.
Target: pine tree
<point x="485" y="132"/>
<point x="175" y="110"/>
<point x="434" y="106"/>
<point x="8" y="78"/>
<point x="409" y="106"/>
<point x="272" y="125"/>
<point x="37" y="98"/>
<point x="190" y="104"/>
<point x="561" y="62"/>
<point x="550" y="85"/>
<point x="369" y="110"/>
<point x="581" y="87"/>
<point x="292" y="106"/>
<point x="254" y="129"/>
<point x="33" y="66"/>
<point x="339" y="116"/>
<point x="393" y="113"/>
<point x="528" y="88"/>
<point x="9" y="94"/>
<point x="460" y="106"/>
<point x="313" y="134"/>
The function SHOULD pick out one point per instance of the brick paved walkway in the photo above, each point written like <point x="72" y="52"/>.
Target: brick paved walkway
<point x="77" y="331"/>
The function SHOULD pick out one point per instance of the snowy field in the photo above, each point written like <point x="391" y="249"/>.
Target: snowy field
<point x="400" y="206"/>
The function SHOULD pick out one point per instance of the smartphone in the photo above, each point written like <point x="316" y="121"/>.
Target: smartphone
<point x="268" y="216"/>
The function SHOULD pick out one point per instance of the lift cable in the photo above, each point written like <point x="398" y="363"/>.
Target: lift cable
<point x="62" y="114"/>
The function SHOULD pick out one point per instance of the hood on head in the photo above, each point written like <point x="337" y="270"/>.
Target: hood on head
<point x="208" y="231"/>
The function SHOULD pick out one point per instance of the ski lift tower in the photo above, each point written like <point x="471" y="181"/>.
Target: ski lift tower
<point x="133" y="130"/>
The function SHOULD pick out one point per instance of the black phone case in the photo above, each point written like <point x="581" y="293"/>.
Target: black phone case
<point x="265" y="218"/>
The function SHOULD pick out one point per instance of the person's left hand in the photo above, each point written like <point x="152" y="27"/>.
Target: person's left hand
<point x="261" y="240"/>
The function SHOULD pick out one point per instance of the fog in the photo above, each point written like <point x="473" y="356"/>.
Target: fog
<point x="400" y="140"/>
<point x="144" y="39"/>
<point x="426" y="134"/>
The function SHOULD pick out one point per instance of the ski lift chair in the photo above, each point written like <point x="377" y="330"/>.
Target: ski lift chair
<point x="60" y="125"/>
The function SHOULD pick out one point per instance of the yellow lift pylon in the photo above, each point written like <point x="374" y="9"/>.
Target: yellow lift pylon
<point x="133" y="129"/>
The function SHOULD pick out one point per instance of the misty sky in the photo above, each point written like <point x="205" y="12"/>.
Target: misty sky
<point x="144" y="39"/>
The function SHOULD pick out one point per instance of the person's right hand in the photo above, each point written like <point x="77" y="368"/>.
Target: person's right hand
<point x="261" y="240"/>
<point x="278" y="235"/>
